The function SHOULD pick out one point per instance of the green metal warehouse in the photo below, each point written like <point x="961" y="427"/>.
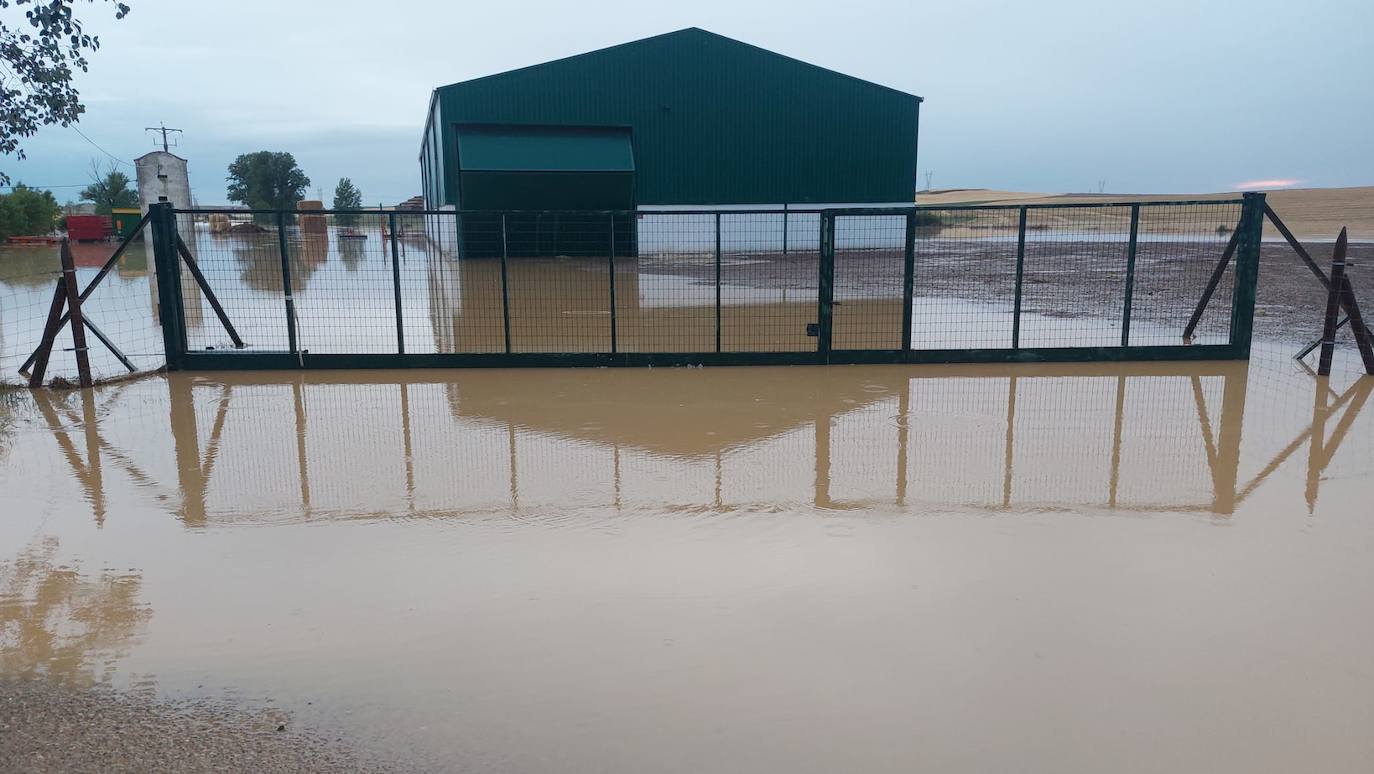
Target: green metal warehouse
<point x="684" y="118"/>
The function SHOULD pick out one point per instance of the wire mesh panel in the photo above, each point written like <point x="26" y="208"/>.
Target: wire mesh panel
<point x="769" y="280"/>
<point x="1073" y="285"/>
<point x="1177" y="250"/>
<point x="240" y="256"/>
<point x="559" y="286"/>
<point x="666" y="297"/>
<point x="870" y="270"/>
<point x="341" y="277"/>
<point x="464" y="293"/>
<point x="964" y="278"/>
<point x="422" y="260"/>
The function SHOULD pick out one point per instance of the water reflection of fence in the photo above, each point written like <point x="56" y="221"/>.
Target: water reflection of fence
<point x="246" y="448"/>
<point x="965" y="284"/>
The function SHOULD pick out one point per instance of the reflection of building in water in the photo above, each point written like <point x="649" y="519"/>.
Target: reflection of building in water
<point x="564" y="305"/>
<point x="61" y="623"/>
<point x="1147" y="437"/>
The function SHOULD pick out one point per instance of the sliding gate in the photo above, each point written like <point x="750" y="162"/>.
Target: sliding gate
<point x="361" y="289"/>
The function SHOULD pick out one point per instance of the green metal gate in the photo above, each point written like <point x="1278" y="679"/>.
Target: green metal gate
<point x="994" y="283"/>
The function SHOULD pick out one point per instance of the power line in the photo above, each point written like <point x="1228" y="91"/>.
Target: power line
<point x="40" y="187"/>
<point x="102" y="150"/>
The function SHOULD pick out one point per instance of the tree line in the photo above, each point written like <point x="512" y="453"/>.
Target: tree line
<point x="271" y="180"/>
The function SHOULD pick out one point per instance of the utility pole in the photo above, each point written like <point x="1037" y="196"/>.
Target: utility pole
<point x="928" y="174"/>
<point x="163" y="130"/>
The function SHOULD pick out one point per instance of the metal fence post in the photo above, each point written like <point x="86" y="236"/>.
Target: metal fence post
<point x="168" y="270"/>
<point x="908" y="279"/>
<point x="1247" y="273"/>
<point x="784" y="230"/>
<point x="1130" y="277"/>
<point x="286" y="283"/>
<point x="826" y="288"/>
<point x="718" y="349"/>
<point x="1020" y="275"/>
<point x="505" y="285"/>
<point x="611" y="261"/>
<point x="396" y="284"/>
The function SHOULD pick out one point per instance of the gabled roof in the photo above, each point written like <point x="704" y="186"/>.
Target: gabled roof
<point x="683" y="34"/>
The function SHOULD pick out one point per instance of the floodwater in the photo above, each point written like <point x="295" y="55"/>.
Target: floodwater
<point x="1147" y="567"/>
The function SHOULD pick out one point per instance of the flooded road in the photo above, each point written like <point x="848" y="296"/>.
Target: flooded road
<point x="1150" y="567"/>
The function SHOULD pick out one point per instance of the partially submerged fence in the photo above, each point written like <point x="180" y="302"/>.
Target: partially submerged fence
<point x="335" y="289"/>
<point x="73" y="312"/>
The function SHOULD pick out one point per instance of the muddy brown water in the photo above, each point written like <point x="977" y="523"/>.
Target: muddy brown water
<point x="1151" y="567"/>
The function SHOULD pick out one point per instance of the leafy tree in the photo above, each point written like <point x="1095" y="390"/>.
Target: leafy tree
<point x="27" y="211"/>
<point x="109" y="190"/>
<point x="37" y="60"/>
<point x="347" y="197"/>
<point x="267" y="180"/>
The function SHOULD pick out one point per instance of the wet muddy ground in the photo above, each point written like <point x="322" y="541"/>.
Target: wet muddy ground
<point x="1151" y="567"/>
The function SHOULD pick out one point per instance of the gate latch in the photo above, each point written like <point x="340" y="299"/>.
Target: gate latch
<point x="813" y="329"/>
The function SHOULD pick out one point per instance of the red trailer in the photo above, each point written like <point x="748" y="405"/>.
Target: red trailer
<point x="89" y="228"/>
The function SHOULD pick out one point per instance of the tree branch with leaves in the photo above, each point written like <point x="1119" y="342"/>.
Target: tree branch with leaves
<point x="38" y="57"/>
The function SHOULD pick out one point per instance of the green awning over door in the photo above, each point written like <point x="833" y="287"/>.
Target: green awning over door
<point x="487" y="148"/>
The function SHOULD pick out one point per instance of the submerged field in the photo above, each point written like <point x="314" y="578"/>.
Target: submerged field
<point x="962" y="568"/>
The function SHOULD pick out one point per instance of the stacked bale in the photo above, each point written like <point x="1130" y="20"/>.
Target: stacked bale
<point x="312" y="224"/>
<point x="219" y="223"/>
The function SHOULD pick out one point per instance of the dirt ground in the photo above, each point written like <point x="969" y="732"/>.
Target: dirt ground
<point x="1082" y="282"/>
<point x="1311" y="213"/>
<point x="49" y="727"/>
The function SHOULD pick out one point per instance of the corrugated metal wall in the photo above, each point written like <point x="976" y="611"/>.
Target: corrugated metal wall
<point x="715" y="121"/>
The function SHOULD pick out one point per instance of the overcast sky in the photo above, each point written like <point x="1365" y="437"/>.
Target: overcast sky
<point x="1051" y="95"/>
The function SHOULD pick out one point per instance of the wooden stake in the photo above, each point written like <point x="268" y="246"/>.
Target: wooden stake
<point x="50" y="329"/>
<point x="95" y="282"/>
<point x="83" y="361"/>
<point x="1363" y="339"/>
<point x="1333" y="304"/>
